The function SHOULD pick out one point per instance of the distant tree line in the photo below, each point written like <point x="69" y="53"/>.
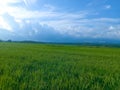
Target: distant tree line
<point x="1" y="40"/>
<point x="6" y="41"/>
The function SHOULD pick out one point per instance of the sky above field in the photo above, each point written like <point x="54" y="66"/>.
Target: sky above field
<point x="59" y="20"/>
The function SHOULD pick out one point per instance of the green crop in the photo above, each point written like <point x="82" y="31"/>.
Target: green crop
<point x="25" y="66"/>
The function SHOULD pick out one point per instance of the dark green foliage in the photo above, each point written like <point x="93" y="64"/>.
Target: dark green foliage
<point x="58" y="67"/>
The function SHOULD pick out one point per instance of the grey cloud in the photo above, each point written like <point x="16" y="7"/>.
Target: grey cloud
<point x="32" y="30"/>
<point x="60" y="31"/>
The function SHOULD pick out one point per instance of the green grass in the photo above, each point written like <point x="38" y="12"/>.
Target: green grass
<point x="58" y="67"/>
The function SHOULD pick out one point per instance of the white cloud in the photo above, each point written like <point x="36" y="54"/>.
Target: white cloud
<point x="6" y="2"/>
<point x="4" y="25"/>
<point x="75" y="24"/>
<point x="28" y="3"/>
<point x="111" y="28"/>
<point x="107" y="6"/>
<point x="6" y="5"/>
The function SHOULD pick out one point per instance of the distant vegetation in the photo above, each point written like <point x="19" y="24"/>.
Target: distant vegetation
<point x="96" y="44"/>
<point x="5" y="40"/>
<point x="27" y="66"/>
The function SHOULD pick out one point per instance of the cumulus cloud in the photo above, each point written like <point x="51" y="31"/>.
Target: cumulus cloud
<point x="29" y="3"/>
<point x="4" y="25"/>
<point x="30" y="30"/>
<point x="107" y="6"/>
<point x="111" y="28"/>
<point x="48" y="24"/>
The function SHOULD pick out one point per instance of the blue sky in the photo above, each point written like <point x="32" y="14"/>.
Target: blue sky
<point x="59" y="20"/>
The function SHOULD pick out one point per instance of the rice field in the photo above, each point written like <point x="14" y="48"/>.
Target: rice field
<point x="27" y="66"/>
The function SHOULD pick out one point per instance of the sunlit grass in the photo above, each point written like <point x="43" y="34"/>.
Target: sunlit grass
<point x="58" y="67"/>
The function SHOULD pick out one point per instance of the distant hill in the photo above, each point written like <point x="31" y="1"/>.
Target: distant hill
<point x="83" y="42"/>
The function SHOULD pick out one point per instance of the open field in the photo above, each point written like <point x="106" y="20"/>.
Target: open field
<point x="25" y="66"/>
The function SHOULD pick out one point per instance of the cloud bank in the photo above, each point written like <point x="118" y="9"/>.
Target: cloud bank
<point x="26" y="20"/>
